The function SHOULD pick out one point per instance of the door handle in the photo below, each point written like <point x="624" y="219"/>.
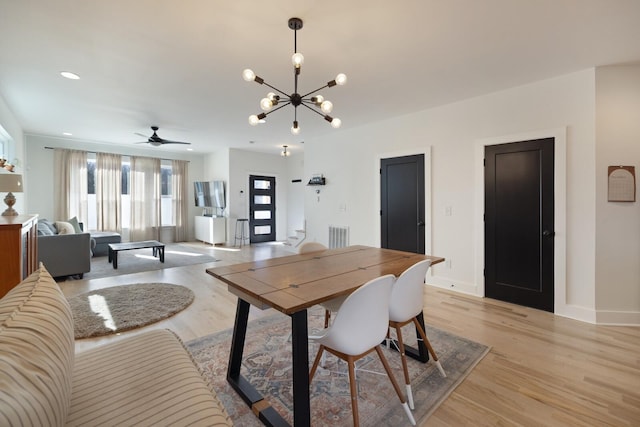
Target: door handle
<point x="420" y="223"/>
<point x="548" y="233"/>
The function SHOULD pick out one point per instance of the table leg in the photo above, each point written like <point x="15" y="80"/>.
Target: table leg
<point x="242" y="386"/>
<point x="421" y="353"/>
<point x="237" y="343"/>
<point x="114" y="258"/>
<point x="300" y="354"/>
<point x="162" y="254"/>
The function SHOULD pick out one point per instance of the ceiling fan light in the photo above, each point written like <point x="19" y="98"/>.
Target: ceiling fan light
<point x="297" y="59"/>
<point x="248" y="75"/>
<point x="341" y="79"/>
<point x="326" y="107"/>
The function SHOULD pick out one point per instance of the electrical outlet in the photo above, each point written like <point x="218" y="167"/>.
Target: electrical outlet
<point x="448" y="211"/>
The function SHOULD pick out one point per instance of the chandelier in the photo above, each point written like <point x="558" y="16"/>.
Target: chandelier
<point x="311" y="100"/>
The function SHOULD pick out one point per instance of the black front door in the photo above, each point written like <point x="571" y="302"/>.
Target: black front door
<point x="519" y="208"/>
<point x="402" y="203"/>
<point x="262" y="208"/>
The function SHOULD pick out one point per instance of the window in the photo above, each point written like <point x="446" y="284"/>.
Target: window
<point x="166" y="213"/>
<point x="165" y="191"/>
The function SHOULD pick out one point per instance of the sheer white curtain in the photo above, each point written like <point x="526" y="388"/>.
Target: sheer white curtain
<point x="179" y="198"/>
<point x="70" y="185"/>
<point x="109" y="191"/>
<point x="145" y="199"/>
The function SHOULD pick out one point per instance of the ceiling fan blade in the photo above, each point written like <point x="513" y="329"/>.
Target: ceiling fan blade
<point x="166" y="141"/>
<point x="140" y="134"/>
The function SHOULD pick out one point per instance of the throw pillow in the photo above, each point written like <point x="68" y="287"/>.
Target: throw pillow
<point x="36" y="338"/>
<point x="76" y="225"/>
<point x="50" y="225"/>
<point x="44" y="230"/>
<point x="65" y="228"/>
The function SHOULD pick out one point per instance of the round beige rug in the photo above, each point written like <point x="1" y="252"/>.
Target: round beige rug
<point x="121" y="308"/>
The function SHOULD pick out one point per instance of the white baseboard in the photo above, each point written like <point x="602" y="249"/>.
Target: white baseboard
<point x="618" y="318"/>
<point x="453" y="285"/>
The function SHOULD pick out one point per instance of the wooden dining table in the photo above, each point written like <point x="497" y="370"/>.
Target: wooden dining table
<point x="291" y="285"/>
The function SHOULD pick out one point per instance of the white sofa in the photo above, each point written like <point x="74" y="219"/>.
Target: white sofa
<point x="144" y="380"/>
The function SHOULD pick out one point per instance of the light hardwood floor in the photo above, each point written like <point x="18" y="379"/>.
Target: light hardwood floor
<point x="542" y="369"/>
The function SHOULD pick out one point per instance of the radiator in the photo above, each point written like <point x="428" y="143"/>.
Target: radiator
<point x="338" y="236"/>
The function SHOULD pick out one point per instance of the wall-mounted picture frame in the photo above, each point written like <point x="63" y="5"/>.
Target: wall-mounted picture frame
<point x="621" y="184"/>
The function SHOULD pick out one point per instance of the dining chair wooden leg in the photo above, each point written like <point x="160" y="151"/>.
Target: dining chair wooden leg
<point x="327" y="317"/>
<point x="315" y="363"/>
<point x="354" y="391"/>
<point x="395" y="385"/>
<point x="434" y="356"/>
<point x="403" y="357"/>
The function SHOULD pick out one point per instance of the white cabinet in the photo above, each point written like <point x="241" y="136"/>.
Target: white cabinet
<point x="211" y="230"/>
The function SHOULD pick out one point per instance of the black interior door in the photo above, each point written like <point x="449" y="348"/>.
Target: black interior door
<point x="262" y="208"/>
<point x="402" y="203"/>
<point x="519" y="207"/>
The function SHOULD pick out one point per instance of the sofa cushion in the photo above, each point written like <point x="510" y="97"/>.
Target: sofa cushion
<point x="76" y="225"/>
<point x="46" y="228"/>
<point x="147" y="379"/>
<point x="37" y="353"/>
<point x="65" y="228"/>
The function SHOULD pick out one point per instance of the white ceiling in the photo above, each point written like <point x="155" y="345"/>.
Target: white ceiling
<point x="178" y="64"/>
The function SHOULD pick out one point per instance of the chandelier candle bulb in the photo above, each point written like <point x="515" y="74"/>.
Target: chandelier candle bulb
<point x="248" y="75"/>
<point x="266" y="104"/>
<point x="297" y="59"/>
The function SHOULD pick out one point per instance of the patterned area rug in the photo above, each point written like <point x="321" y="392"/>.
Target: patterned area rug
<point x="120" y="308"/>
<point x="267" y="362"/>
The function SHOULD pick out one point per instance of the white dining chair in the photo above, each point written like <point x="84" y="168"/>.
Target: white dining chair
<point x="357" y="330"/>
<point x="405" y="304"/>
<point x="334" y="304"/>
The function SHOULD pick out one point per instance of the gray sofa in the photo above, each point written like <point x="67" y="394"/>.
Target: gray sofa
<point x="64" y="254"/>
<point x="103" y="238"/>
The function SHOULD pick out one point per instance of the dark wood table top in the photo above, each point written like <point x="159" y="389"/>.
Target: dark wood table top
<point x="135" y="245"/>
<point x="293" y="283"/>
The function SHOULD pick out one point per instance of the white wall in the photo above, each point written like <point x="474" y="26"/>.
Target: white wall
<point x="241" y="165"/>
<point x="349" y="160"/>
<point x="618" y="224"/>
<point x="296" y="191"/>
<point x="14" y="138"/>
<point x="39" y="170"/>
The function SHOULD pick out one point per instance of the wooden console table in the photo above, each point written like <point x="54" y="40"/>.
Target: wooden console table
<point x="18" y="249"/>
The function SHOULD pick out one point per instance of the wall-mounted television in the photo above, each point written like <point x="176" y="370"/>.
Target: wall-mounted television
<point x="209" y="194"/>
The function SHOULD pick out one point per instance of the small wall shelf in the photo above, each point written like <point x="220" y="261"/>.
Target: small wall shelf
<point x="317" y="180"/>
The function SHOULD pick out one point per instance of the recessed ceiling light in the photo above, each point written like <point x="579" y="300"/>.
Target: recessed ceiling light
<point x="69" y="75"/>
<point x="67" y="133"/>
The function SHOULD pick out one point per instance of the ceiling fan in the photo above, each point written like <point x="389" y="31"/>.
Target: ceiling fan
<point x="156" y="141"/>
